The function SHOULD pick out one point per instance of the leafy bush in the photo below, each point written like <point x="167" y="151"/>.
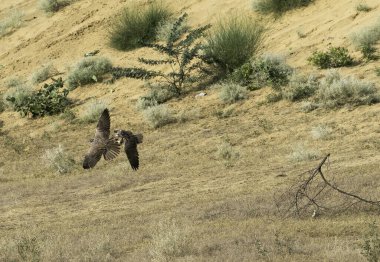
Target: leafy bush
<point x="300" y="87"/>
<point x="334" y="57"/>
<point x="158" y="116"/>
<point x="59" y="160"/>
<point x="49" y="100"/>
<point x="51" y="6"/>
<point x="278" y="7"/>
<point x="265" y="70"/>
<point x="93" y="111"/>
<point x="233" y="42"/>
<point x="88" y="70"/>
<point x="44" y="73"/>
<point x="230" y="93"/>
<point x="366" y="39"/>
<point x="182" y="51"/>
<point x="137" y="26"/>
<point x="336" y="91"/>
<point x="11" y="22"/>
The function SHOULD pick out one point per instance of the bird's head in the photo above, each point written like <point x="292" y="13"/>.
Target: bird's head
<point x="122" y="133"/>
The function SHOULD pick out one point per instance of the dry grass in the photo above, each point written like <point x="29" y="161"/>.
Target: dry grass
<point x="11" y="22"/>
<point x="44" y="73"/>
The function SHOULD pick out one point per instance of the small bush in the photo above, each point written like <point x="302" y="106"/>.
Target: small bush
<point x="137" y="26"/>
<point x="227" y="153"/>
<point x="300" y="87"/>
<point x="44" y="73"/>
<point x="11" y="22"/>
<point x="366" y="39"/>
<point x="231" y="93"/>
<point x="363" y="8"/>
<point x="309" y="106"/>
<point x="370" y="248"/>
<point x="233" y="42"/>
<point x="334" y="57"/>
<point x="52" y="6"/>
<point x="93" y="111"/>
<point x="278" y="7"/>
<point x="68" y="115"/>
<point x="157" y="95"/>
<point x="265" y="70"/>
<point x="165" y="29"/>
<point x="321" y="132"/>
<point x="88" y="70"/>
<point x="158" y="116"/>
<point x="58" y="160"/>
<point x="302" y="153"/>
<point x="15" y="81"/>
<point x="336" y="91"/>
<point x="20" y="92"/>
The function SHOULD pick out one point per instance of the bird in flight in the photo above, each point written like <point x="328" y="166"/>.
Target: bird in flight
<point x="130" y="146"/>
<point x="101" y="144"/>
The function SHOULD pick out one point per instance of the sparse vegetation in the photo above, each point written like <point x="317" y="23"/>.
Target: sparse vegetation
<point x="29" y="249"/>
<point x="181" y="52"/>
<point x="15" y="82"/>
<point x="158" y="116"/>
<point x="9" y="24"/>
<point x="370" y="248"/>
<point x="366" y="39"/>
<point x="303" y="153"/>
<point x="68" y="115"/>
<point x="377" y="71"/>
<point x="88" y="70"/>
<point x="227" y="153"/>
<point x="231" y="93"/>
<point x="58" y="160"/>
<point x="44" y="73"/>
<point x="278" y="7"/>
<point x="321" y="132"/>
<point x="333" y="57"/>
<point x="157" y="95"/>
<point x="336" y="91"/>
<point x="49" y="100"/>
<point x="52" y="6"/>
<point x="233" y="42"/>
<point x="265" y="70"/>
<point x="20" y="94"/>
<point x="92" y="111"/>
<point x="362" y="7"/>
<point x="137" y="26"/>
<point x="300" y="87"/>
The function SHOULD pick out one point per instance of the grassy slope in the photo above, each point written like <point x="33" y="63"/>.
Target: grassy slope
<point x="223" y="213"/>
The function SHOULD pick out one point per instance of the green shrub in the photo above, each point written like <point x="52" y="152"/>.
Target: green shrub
<point x="366" y="39"/>
<point x="52" y="6"/>
<point x="49" y="100"/>
<point x="278" y="7"/>
<point x="300" y="87"/>
<point x="158" y="116"/>
<point x="11" y="22"/>
<point x="336" y="91"/>
<point x="265" y="70"/>
<point x="93" y="111"/>
<point x="334" y="57"/>
<point x="137" y="26"/>
<point x="233" y="42"/>
<point x="44" y="73"/>
<point x="231" y="93"/>
<point x="88" y="70"/>
<point x="182" y="52"/>
<point x="58" y="160"/>
<point x="363" y="8"/>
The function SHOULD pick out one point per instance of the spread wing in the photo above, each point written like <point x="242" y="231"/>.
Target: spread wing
<point x="112" y="149"/>
<point x="103" y="127"/>
<point x="93" y="156"/>
<point x="130" y="148"/>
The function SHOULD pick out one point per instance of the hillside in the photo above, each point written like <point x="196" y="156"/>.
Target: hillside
<point x="184" y="200"/>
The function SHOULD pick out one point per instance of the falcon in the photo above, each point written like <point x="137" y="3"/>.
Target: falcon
<point x="101" y="144"/>
<point x="130" y="146"/>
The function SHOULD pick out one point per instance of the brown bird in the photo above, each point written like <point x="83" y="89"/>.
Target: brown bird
<point x="130" y="146"/>
<point x="102" y="144"/>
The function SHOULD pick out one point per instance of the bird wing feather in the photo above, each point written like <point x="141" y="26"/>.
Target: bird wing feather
<point x="130" y="148"/>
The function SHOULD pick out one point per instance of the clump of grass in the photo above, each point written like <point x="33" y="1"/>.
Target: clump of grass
<point x="11" y="22"/>
<point x="52" y="6"/>
<point x="233" y="41"/>
<point x="362" y="7"/>
<point x="309" y="106"/>
<point x="300" y="87"/>
<point x="321" y="132"/>
<point x="20" y="91"/>
<point x="44" y="73"/>
<point x="302" y="153"/>
<point x="366" y="39"/>
<point x="157" y="95"/>
<point x="265" y="70"/>
<point x="169" y="241"/>
<point x="88" y="70"/>
<point x="370" y="248"/>
<point x="15" y="81"/>
<point x="68" y="115"/>
<point x="158" y="116"/>
<point x="231" y="93"/>
<point x="188" y="115"/>
<point x="333" y="57"/>
<point x="377" y="71"/>
<point x="227" y="153"/>
<point x="58" y="160"/>
<point x="278" y="7"/>
<point x="137" y="26"/>
<point x="29" y="249"/>
<point x="336" y="91"/>
<point x="93" y="111"/>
